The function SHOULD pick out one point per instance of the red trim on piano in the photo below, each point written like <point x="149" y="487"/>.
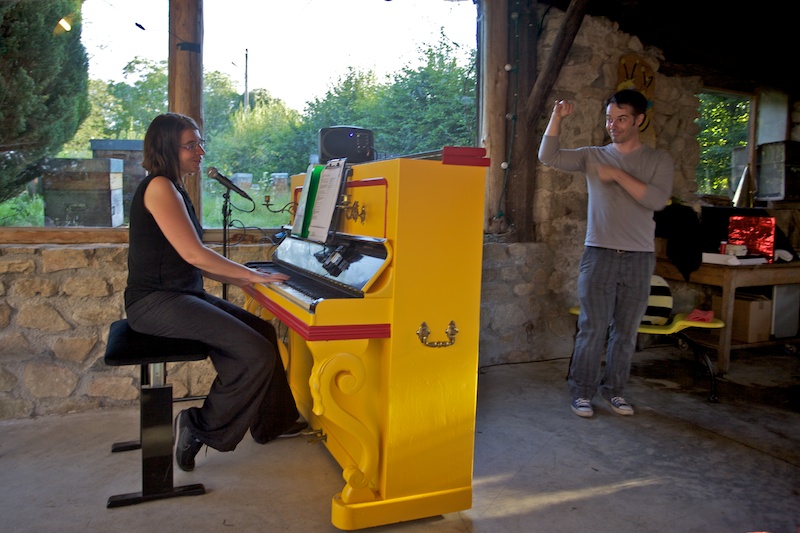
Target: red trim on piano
<point x="465" y="155"/>
<point x="320" y="333"/>
<point x="369" y="182"/>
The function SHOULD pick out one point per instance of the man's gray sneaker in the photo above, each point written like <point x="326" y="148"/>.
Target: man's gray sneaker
<point x="620" y="406"/>
<point x="582" y="407"/>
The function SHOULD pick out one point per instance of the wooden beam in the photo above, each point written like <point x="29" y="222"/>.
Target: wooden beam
<point x="61" y="235"/>
<point x="552" y="67"/>
<point x="520" y="187"/>
<point x="185" y="91"/>
<point x="493" y="36"/>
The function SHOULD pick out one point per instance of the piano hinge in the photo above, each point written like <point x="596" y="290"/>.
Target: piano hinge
<point x="423" y="332"/>
<point x="315" y="436"/>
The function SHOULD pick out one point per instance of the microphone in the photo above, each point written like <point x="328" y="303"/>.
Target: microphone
<point x="214" y="173"/>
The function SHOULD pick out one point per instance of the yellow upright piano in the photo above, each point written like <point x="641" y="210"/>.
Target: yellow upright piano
<point x="383" y="320"/>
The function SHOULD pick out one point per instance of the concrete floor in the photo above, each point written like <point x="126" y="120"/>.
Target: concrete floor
<point x="681" y="464"/>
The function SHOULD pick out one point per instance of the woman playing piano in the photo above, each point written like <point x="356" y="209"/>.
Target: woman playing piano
<point x="164" y="296"/>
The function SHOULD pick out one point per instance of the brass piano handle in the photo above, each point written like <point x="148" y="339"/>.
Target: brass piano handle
<point x="352" y="211"/>
<point x="354" y="214"/>
<point x="423" y="332"/>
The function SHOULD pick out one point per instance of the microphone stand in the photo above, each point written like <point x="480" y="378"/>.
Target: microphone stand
<point x="226" y="214"/>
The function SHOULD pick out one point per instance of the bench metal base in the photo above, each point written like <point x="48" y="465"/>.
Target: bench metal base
<point x="156" y="441"/>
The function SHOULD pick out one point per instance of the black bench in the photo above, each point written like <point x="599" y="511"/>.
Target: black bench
<point x="127" y="347"/>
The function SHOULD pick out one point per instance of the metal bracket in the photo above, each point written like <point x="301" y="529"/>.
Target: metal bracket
<point x="423" y="332"/>
<point x="316" y="436"/>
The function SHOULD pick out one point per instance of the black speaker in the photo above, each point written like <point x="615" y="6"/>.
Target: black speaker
<point x="356" y="144"/>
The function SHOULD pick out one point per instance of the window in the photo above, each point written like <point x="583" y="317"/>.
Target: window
<point x="256" y="136"/>
<point x="723" y="142"/>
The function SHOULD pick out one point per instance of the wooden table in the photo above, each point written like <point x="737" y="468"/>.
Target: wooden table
<point x="730" y="278"/>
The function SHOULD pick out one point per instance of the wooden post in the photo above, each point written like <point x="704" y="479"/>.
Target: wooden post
<point x="493" y="16"/>
<point x="522" y="164"/>
<point x="186" y="72"/>
<point x="522" y="175"/>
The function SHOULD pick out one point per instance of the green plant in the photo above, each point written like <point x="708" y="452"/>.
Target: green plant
<point x="246" y="218"/>
<point x="24" y="210"/>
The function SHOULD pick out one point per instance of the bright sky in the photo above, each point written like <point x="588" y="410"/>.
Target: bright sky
<point x="296" y="49"/>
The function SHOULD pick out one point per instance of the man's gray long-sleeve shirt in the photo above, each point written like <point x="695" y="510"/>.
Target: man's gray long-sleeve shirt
<point x="615" y="219"/>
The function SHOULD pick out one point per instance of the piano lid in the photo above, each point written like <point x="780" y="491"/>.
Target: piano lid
<point x="353" y="263"/>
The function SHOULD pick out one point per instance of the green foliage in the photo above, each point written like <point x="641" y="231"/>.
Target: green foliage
<point x="124" y="110"/>
<point x="723" y="127"/>
<point x="24" y="210"/>
<point x="245" y="218"/>
<point x="418" y="109"/>
<point x="428" y="107"/>
<point x="95" y="126"/>
<point x="352" y="101"/>
<point x="43" y="86"/>
<point x="137" y="100"/>
<point x="220" y="100"/>
<point x="258" y="141"/>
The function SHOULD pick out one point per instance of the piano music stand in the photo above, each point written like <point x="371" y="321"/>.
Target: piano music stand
<point x="326" y="209"/>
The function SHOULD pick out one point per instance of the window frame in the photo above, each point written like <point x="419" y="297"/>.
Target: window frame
<point x="81" y="235"/>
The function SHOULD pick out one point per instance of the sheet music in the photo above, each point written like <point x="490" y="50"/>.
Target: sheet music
<point x="328" y="191"/>
<point x="302" y="218"/>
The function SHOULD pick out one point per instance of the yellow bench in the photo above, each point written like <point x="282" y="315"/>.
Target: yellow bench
<point x="675" y="327"/>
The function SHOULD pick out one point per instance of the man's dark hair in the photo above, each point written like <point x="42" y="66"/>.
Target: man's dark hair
<point x="630" y="97"/>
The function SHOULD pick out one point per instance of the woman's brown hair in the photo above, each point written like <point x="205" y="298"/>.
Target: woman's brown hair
<point x="162" y="142"/>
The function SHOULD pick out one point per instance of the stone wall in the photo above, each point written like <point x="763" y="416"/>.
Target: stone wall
<point x="56" y="304"/>
<point x="57" y="301"/>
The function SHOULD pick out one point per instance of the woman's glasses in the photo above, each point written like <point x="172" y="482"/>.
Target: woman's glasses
<point x="194" y="145"/>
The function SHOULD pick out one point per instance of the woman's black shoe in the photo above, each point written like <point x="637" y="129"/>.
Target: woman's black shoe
<point x="294" y="431"/>
<point x="186" y="446"/>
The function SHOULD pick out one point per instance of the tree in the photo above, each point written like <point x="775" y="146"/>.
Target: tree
<point x="418" y="109"/>
<point x="102" y="104"/>
<point x="349" y="102"/>
<point x="262" y="140"/>
<point x="723" y="127"/>
<point x="220" y="100"/>
<point x="428" y="107"/>
<point x="139" y="99"/>
<point x="124" y="110"/>
<point x="43" y="96"/>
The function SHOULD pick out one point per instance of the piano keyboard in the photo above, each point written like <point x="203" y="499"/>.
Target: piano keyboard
<point x="302" y="290"/>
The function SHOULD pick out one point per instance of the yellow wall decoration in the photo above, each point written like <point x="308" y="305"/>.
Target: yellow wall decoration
<point x="635" y="73"/>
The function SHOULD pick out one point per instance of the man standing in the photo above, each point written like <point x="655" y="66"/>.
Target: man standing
<point x="627" y="181"/>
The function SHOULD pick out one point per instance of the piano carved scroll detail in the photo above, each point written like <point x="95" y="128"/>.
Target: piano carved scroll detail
<point x="344" y="372"/>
